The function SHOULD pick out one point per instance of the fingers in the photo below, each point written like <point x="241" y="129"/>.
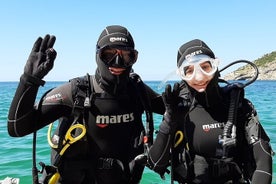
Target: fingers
<point x="51" y="41"/>
<point x="176" y="89"/>
<point x="47" y="42"/>
<point x="168" y="89"/>
<point x="44" y="43"/>
<point x="37" y="44"/>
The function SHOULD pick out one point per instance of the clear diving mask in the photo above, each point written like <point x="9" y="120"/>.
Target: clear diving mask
<point x="198" y="63"/>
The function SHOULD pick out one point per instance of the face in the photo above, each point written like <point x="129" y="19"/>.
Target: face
<point x="198" y="71"/>
<point x="200" y="80"/>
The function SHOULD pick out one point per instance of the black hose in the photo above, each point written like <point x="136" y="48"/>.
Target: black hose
<point x="248" y="62"/>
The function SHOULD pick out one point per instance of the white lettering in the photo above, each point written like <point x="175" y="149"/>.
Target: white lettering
<point x="208" y="127"/>
<point x="193" y="54"/>
<point x="54" y="97"/>
<point x="117" y="39"/>
<point x="102" y="119"/>
<point x="122" y="118"/>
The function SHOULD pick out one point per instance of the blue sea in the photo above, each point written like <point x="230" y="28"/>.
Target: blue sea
<point x="16" y="153"/>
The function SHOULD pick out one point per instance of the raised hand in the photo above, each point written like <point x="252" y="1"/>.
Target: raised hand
<point x="171" y="97"/>
<point x="41" y="58"/>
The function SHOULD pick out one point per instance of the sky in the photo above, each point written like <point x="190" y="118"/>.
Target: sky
<point x="234" y="29"/>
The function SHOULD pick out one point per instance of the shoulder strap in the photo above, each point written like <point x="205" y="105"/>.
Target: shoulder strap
<point x="81" y="92"/>
<point x="144" y="98"/>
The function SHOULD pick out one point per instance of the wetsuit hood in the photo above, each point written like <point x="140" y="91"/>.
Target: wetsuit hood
<point x="115" y="36"/>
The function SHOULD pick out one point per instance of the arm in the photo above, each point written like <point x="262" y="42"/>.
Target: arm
<point x="22" y="113"/>
<point x="157" y="104"/>
<point x="263" y="157"/>
<point x="259" y="141"/>
<point x="159" y="153"/>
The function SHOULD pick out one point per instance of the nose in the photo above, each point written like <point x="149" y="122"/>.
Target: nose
<point x="199" y="76"/>
<point x="118" y="60"/>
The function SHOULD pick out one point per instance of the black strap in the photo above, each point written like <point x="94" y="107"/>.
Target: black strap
<point x="35" y="171"/>
<point x="144" y="98"/>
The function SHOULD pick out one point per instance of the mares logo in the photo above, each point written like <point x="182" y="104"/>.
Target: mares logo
<point x="118" y="39"/>
<point x="208" y="127"/>
<point x="54" y="98"/>
<point x="114" y="119"/>
<point x="193" y="54"/>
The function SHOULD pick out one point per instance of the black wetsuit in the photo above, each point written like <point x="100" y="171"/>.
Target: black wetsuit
<point x="202" y="127"/>
<point x="113" y="129"/>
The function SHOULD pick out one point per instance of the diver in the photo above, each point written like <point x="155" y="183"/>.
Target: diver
<point x="113" y="125"/>
<point x="210" y="133"/>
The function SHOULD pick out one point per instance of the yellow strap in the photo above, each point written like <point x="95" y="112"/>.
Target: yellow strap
<point x="49" y="136"/>
<point x="69" y="139"/>
<point x="54" y="179"/>
<point x="179" y="134"/>
<point x="181" y="137"/>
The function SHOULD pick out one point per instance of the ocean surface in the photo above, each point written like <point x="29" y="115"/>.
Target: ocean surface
<point x="16" y="153"/>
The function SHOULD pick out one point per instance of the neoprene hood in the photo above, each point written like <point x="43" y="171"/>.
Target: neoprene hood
<point x="191" y="48"/>
<point x="115" y="35"/>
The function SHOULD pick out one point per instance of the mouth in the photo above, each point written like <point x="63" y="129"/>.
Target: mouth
<point x="201" y="84"/>
<point x="200" y="87"/>
<point x="116" y="71"/>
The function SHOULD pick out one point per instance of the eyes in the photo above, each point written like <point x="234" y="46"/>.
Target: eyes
<point x="204" y="66"/>
<point x="129" y="56"/>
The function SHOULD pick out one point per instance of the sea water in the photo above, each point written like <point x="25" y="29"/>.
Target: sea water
<point x="16" y="153"/>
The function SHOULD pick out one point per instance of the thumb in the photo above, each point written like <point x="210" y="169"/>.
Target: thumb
<point x="51" y="54"/>
<point x="50" y="58"/>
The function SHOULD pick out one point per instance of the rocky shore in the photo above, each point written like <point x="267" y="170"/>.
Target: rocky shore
<point x="267" y="71"/>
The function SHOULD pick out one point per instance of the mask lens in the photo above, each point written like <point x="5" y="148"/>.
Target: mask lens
<point x="108" y="55"/>
<point x="128" y="55"/>
<point x="199" y="63"/>
<point x="206" y="67"/>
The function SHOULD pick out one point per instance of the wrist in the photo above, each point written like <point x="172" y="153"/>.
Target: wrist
<point x="168" y="124"/>
<point x="32" y="80"/>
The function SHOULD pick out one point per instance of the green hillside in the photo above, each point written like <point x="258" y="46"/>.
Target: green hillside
<point x="264" y="61"/>
<point x="266" y="66"/>
<point x="267" y="58"/>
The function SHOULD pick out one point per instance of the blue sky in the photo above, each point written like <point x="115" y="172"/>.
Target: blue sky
<point x="233" y="29"/>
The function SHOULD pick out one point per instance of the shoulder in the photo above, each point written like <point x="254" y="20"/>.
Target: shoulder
<point x="63" y="88"/>
<point x="61" y="94"/>
<point x="248" y="107"/>
<point x="142" y="86"/>
<point x="82" y="82"/>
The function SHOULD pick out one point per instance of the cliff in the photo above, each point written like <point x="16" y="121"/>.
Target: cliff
<point x="265" y="64"/>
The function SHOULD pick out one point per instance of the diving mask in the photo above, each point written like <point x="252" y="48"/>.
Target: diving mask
<point x="108" y="55"/>
<point x="198" y="63"/>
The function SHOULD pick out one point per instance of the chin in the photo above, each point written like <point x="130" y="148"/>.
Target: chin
<point x="201" y="90"/>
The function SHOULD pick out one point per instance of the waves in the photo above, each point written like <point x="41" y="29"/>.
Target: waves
<point x="16" y="153"/>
